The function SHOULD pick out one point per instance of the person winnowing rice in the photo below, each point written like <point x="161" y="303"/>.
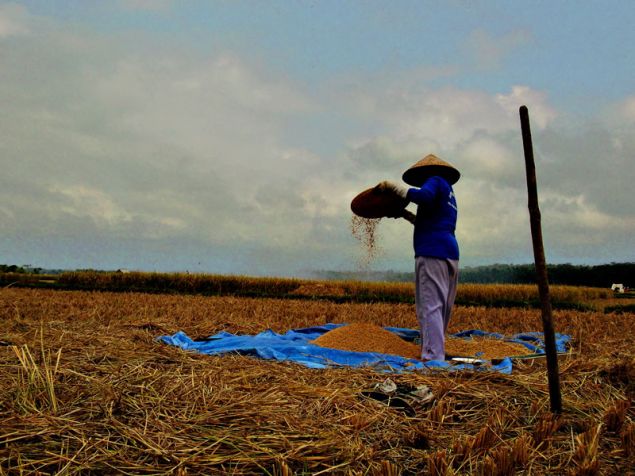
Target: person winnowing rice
<point x="435" y="246"/>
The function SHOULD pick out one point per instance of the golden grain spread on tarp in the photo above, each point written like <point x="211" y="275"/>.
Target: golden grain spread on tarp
<point x="490" y="347"/>
<point x="362" y="337"/>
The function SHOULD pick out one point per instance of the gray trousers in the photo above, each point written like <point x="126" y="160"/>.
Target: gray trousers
<point x="436" y="281"/>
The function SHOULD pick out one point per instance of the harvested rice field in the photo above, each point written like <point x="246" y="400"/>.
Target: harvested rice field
<point x="85" y="388"/>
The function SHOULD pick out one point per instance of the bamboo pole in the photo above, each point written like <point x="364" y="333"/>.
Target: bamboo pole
<point x="541" y="266"/>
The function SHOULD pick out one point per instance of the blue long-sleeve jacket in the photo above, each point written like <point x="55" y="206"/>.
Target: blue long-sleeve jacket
<point x="436" y="219"/>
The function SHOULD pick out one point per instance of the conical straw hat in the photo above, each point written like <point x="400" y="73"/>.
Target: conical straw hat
<point x="427" y="167"/>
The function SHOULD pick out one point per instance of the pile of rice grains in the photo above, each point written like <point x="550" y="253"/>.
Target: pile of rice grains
<point x="362" y="337"/>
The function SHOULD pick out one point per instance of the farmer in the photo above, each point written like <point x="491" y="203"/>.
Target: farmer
<point x="435" y="246"/>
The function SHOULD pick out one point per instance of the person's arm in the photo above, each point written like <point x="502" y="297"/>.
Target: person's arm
<point x="400" y="191"/>
<point x="424" y="195"/>
<point x="408" y="216"/>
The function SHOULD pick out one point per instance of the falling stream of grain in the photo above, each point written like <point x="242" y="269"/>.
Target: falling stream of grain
<point x="364" y="230"/>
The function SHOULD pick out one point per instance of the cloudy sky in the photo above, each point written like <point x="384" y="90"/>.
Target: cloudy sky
<point x="230" y="136"/>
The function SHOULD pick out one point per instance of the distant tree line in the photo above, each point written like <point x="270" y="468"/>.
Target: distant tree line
<point x="12" y="268"/>
<point x="601" y="276"/>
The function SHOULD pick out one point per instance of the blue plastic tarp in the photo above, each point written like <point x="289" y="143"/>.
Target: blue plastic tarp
<point x="295" y="345"/>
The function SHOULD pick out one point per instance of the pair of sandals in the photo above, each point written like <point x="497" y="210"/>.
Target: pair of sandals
<point x="399" y="396"/>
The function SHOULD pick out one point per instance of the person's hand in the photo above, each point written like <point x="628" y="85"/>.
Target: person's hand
<point x="392" y="187"/>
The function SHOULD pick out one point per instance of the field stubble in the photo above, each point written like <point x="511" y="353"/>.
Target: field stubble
<point x="86" y="388"/>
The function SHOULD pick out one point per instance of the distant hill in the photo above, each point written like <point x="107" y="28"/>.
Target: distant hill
<point x="601" y="276"/>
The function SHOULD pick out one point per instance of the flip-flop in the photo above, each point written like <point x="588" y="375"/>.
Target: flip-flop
<point x="394" y="402"/>
<point x="422" y="394"/>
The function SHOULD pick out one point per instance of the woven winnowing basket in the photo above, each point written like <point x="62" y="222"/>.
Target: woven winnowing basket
<point x="376" y="203"/>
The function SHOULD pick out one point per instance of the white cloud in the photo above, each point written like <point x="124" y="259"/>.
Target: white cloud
<point x="147" y="147"/>
<point x="449" y="116"/>
<point x="493" y="221"/>
<point x="480" y="134"/>
<point x="14" y="20"/>
<point x="7" y="213"/>
<point x="126" y="142"/>
<point x="92" y="203"/>
<point x="219" y="112"/>
<point x="580" y="220"/>
<point x="488" y="157"/>
<point x="441" y="118"/>
<point x="541" y="113"/>
<point x="488" y="51"/>
<point x="629" y="108"/>
<point x="147" y="5"/>
<point x="623" y="111"/>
